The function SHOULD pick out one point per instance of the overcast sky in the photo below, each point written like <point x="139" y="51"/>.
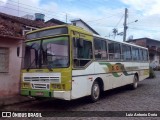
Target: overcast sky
<point x="101" y="15"/>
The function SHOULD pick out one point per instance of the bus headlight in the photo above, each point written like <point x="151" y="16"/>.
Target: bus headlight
<point x="57" y="86"/>
<point x="25" y="85"/>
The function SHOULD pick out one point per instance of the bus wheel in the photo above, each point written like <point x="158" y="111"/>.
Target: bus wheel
<point x="135" y="82"/>
<point x="95" y="92"/>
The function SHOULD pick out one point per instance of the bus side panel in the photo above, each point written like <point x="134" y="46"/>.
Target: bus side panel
<point x="102" y="71"/>
<point x="128" y="74"/>
<point x="80" y="85"/>
<point x="144" y="71"/>
<point x="82" y="80"/>
<point x="135" y="67"/>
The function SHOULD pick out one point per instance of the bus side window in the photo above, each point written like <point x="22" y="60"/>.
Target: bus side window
<point x="145" y="55"/>
<point x="126" y="51"/>
<point x="82" y="54"/>
<point x="135" y="53"/>
<point x="117" y="51"/>
<point x="114" y="50"/>
<point x="100" y="49"/>
<point x="141" y="54"/>
<point x="111" y="50"/>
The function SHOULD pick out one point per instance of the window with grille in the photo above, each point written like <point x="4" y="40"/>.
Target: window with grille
<point x="4" y="60"/>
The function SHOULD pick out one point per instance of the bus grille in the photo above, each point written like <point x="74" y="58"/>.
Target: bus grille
<point x="42" y="79"/>
<point x="41" y="86"/>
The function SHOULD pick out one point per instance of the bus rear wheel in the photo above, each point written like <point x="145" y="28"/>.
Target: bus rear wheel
<point x="135" y="82"/>
<point x="95" y="92"/>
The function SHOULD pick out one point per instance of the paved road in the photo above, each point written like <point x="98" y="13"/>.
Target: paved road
<point x="145" y="98"/>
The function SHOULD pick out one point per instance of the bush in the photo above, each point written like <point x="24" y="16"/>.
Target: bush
<point x="158" y="68"/>
<point x="151" y="73"/>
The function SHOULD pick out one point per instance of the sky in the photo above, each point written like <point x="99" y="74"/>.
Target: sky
<point x="102" y="15"/>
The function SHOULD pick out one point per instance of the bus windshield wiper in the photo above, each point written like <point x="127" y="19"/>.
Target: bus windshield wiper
<point x="31" y="65"/>
<point x="44" y="57"/>
<point x="49" y="67"/>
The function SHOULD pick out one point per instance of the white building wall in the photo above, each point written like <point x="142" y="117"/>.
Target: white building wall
<point x="80" y="24"/>
<point x="10" y="81"/>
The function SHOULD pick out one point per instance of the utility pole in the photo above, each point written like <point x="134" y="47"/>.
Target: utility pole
<point x="125" y="25"/>
<point x="66" y="18"/>
<point x="18" y="8"/>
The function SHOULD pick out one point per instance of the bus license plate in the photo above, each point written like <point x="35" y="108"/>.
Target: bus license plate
<point x="39" y="93"/>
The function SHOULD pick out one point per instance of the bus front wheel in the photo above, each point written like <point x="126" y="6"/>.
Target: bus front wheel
<point x="95" y="91"/>
<point x="135" y="82"/>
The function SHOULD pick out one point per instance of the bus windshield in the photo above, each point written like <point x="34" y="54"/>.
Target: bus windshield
<point x="47" y="53"/>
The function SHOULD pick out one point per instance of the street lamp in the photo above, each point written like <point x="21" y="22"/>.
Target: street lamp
<point x="132" y="22"/>
<point x="125" y="29"/>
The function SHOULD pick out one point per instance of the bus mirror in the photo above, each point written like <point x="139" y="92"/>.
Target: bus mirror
<point x="80" y="42"/>
<point x="18" y="51"/>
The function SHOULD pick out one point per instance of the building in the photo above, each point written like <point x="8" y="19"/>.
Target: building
<point x="12" y="31"/>
<point x="153" y="47"/>
<point x="82" y="24"/>
<point x="54" y="22"/>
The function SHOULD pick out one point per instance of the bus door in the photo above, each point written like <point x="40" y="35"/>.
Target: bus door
<point x="82" y="56"/>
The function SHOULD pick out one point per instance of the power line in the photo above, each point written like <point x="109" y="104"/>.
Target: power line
<point x="91" y="4"/>
<point x="21" y="11"/>
<point x="148" y="26"/>
<point x="33" y="8"/>
<point x="63" y="14"/>
<point x="119" y="21"/>
<point x="26" y="9"/>
<point x="104" y="18"/>
<point x="100" y="25"/>
<point x="37" y="10"/>
<point x="144" y="29"/>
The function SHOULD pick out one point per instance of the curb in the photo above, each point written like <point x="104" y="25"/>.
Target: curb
<point x="14" y="99"/>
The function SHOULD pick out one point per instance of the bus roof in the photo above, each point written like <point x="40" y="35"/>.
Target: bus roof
<point x="46" y="28"/>
<point x="71" y="27"/>
<point x="79" y="29"/>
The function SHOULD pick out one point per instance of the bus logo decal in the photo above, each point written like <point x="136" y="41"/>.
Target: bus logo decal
<point x="116" y="68"/>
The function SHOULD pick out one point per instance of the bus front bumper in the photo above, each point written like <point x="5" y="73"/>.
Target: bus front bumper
<point x="65" y="95"/>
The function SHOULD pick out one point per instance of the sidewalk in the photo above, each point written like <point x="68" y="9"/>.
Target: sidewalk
<point x="14" y="99"/>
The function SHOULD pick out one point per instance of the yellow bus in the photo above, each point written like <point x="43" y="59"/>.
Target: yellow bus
<point x="67" y="62"/>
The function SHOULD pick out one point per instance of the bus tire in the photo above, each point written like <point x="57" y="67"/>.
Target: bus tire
<point x="95" y="92"/>
<point x="135" y="82"/>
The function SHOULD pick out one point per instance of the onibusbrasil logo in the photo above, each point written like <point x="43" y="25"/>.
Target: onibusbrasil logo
<point x="21" y="114"/>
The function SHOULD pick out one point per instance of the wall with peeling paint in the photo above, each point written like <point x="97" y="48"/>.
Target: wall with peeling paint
<point x="10" y="81"/>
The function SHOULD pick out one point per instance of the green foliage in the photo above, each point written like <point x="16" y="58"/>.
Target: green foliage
<point x="151" y="73"/>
